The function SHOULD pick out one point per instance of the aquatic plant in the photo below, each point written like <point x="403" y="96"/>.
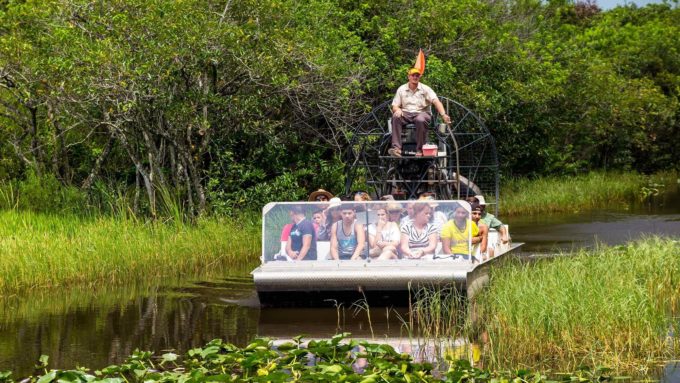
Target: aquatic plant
<point x="331" y="360"/>
<point x="614" y="306"/>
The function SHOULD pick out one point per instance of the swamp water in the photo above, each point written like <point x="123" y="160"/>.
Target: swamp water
<point x="98" y="327"/>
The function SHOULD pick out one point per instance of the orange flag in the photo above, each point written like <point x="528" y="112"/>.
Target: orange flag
<point x="420" y="62"/>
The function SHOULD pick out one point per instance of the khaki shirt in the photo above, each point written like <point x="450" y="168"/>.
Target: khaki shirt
<point x="414" y="102"/>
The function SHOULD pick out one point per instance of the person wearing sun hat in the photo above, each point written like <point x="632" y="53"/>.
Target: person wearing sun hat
<point x="490" y="220"/>
<point x="411" y="105"/>
<point x="331" y="215"/>
<point x="394" y="211"/>
<point x="320" y="196"/>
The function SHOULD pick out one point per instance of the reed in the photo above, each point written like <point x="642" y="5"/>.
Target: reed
<point x="437" y="324"/>
<point x="614" y="306"/>
<point x="46" y="251"/>
<point x="582" y="192"/>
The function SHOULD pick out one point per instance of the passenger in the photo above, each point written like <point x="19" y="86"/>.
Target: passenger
<point x="411" y="104"/>
<point x="410" y="214"/>
<point x="457" y="234"/>
<point x="418" y="237"/>
<point x="361" y="196"/>
<point x="383" y="236"/>
<point x="484" y="249"/>
<point x="394" y="211"/>
<point x="319" y="220"/>
<point x="331" y="215"/>
<point x="285" y="235"/>
<point x="347" y="236"/>
<point x="438" y="217"/>
<point x="387" y="197"/>
<point x="320" y="196"/>
<point x="302" y="243"/>
<point x="428" y="194"/>
<point x="491" y="221"/>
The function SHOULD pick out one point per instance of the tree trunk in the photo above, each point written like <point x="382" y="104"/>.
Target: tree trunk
<point x="146" y="177"/>
<point x="94" y="173"/>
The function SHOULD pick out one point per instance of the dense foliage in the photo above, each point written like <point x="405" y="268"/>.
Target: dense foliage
<point x="236" y="103"/>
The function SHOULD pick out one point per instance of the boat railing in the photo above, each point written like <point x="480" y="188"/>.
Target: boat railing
<point x="298" y="222"/>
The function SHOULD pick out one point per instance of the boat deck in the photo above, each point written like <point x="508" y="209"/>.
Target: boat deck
<point x="389" y="275"/>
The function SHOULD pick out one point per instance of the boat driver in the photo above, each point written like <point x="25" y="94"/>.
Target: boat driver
<point x="411" y="105"/>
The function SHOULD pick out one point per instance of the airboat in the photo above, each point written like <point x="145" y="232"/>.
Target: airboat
<point x="463" y="163"/>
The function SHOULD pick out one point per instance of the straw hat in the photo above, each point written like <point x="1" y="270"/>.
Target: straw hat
<point x="313" y="195"/>
<point x="393" y="206"/>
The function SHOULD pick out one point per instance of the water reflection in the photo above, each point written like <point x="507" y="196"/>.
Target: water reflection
<point x="565" y="232"/>
<point x="551" y="232"/>
<point x="98" y="329"/>
<point x="379" y="323"/>
<point x="671" y="373"/>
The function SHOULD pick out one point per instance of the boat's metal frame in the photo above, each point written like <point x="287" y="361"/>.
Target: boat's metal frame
<point x="466" y="162"/>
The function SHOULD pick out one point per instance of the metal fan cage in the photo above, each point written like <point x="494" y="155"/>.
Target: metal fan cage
<point x="466" y="162"/>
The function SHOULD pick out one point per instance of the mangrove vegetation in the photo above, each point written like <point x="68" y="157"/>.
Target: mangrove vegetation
<point x="229" y="105"/>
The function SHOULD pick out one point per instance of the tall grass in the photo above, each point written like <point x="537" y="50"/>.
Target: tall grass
<point x="612" y="306"/>
<point x="44" y="251"/>
<point x="574" y="193"/>
<point x="436" y="312"/>
<point x="438" y="324"/>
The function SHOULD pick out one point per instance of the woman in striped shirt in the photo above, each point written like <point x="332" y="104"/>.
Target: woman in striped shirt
<point x="419" y="237"/>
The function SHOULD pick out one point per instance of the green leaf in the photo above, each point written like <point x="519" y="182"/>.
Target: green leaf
<point x="43" y="361"/>
<point x="4" y="375"/>
<point x="48" y="377"/>
<point x="209" y="352"/>
<point x="168" y="357"/>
